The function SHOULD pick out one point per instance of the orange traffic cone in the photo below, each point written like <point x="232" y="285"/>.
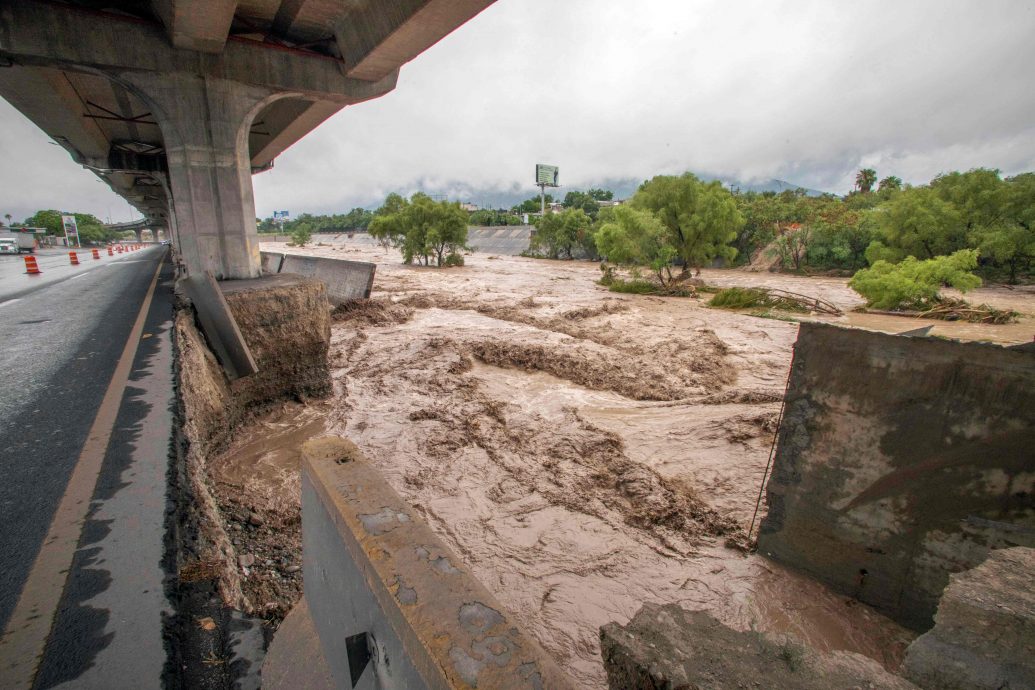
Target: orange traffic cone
<point x="96" y="253"/>
<point x="73" y="259"/>
<point x="31" y="267"/>
<point x="111" y="252"/>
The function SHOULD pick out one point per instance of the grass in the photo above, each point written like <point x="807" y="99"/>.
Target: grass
<point x="639" y="286"/>
<point x="752" y="298"/>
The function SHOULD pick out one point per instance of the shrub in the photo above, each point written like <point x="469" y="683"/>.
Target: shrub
<point x="914" y="284"/>
<point x="747" y="298"/>
<point x="301" y="235"/>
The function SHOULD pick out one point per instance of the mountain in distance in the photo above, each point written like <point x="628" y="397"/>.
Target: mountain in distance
<point x="508" y="197"/>
<point x="623" y="188"/>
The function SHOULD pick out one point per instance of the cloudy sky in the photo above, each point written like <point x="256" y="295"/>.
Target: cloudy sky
<point x="806" y="92"/>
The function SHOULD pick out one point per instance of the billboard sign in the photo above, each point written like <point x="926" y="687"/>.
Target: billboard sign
<point x="71" y="231"/>
<point x="280" y="215"/>
<point x="547" y="175"/>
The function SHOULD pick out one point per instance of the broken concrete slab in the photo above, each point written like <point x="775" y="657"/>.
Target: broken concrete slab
<point x="670" y="648"/>
<point x="984" y="631"/>
<point x="345" y="280"/>
<point x="219" y="326"/>
<point x="900" y="460"/>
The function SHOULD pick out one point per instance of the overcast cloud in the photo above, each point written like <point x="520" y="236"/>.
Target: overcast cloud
<point x="806" y="92"/>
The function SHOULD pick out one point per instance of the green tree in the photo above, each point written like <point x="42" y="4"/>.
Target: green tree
<point x="421" y="228"/>
<point x="889" y="184"/>
<point x="919" y="223"/>
<point x="1007" y="239"/>
<point x="49" y="219"/>
<point x="914" y="284"/>
<point x="531" y="205"/>
<point x="864" y="180"/>
<point x="638" y="238"/>
<point x="980" y="196"/>
<point x="301" y="234"/>
<point x="558" y="234"/>
<point x="582" y="200"/>
<point x="601" y="194"/>
<point x="701" y="218"/>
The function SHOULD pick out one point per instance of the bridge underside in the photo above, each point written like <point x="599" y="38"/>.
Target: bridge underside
<point x="176" y="103"/>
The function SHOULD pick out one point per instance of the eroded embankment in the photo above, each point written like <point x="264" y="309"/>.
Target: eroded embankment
<point x="242" y="531"/>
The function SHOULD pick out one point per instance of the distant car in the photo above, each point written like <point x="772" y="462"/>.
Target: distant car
<point x="165" y="242"/>
<point x="9" y="246"/>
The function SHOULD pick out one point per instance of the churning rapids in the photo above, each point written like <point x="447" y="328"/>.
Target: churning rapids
<point x="582" y="452"/>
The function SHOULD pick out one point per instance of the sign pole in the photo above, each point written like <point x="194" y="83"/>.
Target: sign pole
<point x="542" y="199"/>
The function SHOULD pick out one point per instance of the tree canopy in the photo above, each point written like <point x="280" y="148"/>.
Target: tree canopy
<point x="914" y="284"/>
<point x="635" y="237"/>
<point x="864" y="180"/>
<point x="702" y="219"/>
<point x="558" y="235"/>
<point x="91" y="228"/>
<point x="422" y="229"/>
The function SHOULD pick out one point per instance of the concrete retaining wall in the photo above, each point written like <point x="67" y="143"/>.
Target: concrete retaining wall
<point x="899" y="461"/>
<point x="508" y="240"/>
<point x="372" y="566"/>
<point x="345" y="280"/>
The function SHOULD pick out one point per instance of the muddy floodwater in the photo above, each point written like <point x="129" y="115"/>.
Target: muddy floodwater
<point x="582" y="452"/>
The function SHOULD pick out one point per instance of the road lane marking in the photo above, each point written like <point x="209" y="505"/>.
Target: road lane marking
<point x="24" y="640"/>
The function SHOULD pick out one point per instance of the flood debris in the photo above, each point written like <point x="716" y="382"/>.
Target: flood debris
<point x="670" y="647"/>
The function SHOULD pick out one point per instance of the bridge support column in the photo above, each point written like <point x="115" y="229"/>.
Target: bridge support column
<point x="205" y="123"/>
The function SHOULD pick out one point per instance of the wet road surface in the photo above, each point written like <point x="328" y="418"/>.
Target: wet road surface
<point x="85" y="424"/>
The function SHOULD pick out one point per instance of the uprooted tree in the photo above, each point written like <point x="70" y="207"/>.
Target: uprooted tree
<point x="422" y="229"/>
<point x="914" y="284"/>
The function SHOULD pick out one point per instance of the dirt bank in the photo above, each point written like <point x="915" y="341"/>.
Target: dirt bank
<point x="585" y="452"/>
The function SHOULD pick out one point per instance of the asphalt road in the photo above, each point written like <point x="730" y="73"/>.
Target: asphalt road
<point x="64" y="335"/>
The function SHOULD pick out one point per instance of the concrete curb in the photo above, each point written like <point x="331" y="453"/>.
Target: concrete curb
<point x="374" y="569"/>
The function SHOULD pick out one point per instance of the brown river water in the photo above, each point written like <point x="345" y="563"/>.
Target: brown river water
<point x="582" y="452"/>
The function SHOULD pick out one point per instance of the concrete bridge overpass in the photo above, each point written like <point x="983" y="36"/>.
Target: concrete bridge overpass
<point x="176" y="103"/>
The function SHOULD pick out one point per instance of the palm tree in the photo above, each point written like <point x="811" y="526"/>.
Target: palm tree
<point x="864" y="179"/>
<point x="889" y="184"/>
<point x="8" y="217"/>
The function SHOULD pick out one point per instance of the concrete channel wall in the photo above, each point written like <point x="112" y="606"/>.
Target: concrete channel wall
<point x="899" y="461"/>
<point x="345" y="280"/>
<point x="391" y="604"/>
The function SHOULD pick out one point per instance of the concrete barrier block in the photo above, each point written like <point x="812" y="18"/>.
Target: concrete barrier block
<point x="271" y="261"/>
<point x="900" y="461"/>
<point x="345" y="280"/>
<point x="388" y="594"/>
<point x="984" y="632"/>
<point x="670" y="647"/>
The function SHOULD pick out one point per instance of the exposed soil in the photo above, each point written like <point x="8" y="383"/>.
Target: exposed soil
<point x="256" y="484"/>
<point x="582" y="453"/>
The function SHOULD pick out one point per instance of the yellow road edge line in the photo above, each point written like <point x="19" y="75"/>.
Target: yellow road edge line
<point x="24" y="640"/>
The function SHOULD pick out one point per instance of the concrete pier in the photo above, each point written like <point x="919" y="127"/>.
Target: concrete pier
<point x="176" y="103"/>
